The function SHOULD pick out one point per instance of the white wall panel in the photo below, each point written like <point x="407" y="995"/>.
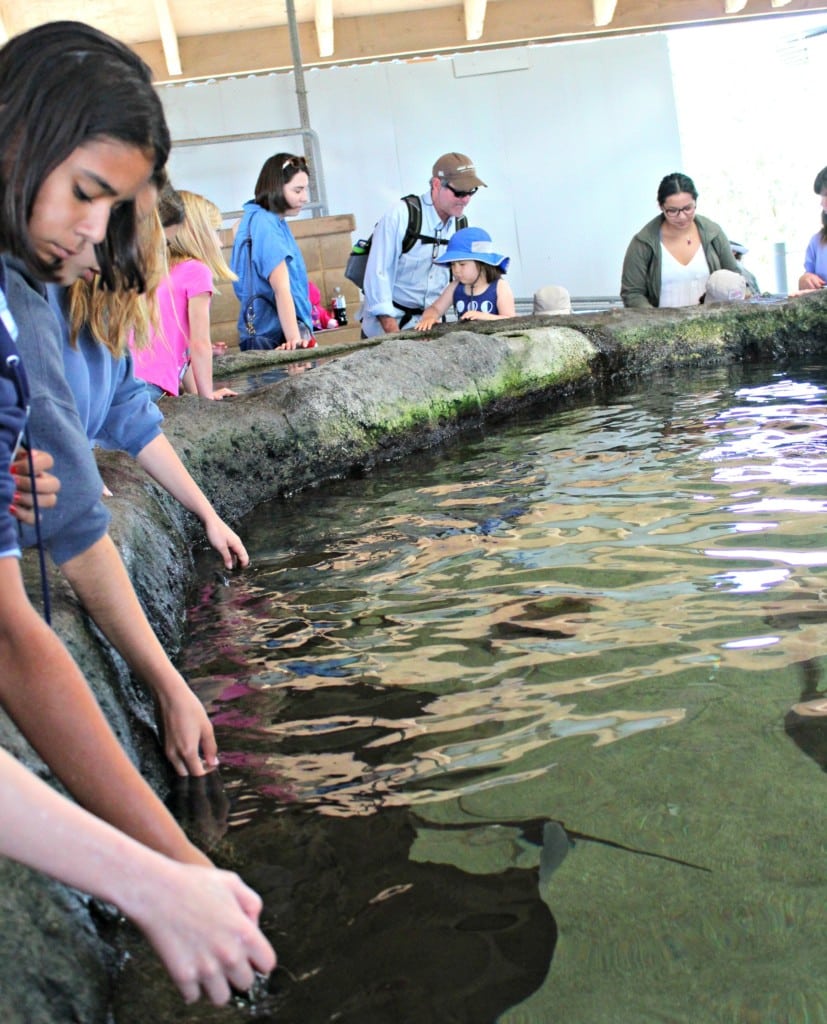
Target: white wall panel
<point x="572" y="140"/>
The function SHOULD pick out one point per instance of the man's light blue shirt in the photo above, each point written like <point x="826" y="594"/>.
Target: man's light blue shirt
<point x="410" y="279"/>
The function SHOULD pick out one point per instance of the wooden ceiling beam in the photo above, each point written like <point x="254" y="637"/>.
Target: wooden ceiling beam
<point x="324" y="28"/>
<point x="604" y="11"/>
<point x="169" y="38"/>
<point x="412" y="34"/>
<point x="474" y="19"/>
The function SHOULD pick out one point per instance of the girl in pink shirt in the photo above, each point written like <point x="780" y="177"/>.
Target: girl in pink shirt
<point x="181" y="352"/>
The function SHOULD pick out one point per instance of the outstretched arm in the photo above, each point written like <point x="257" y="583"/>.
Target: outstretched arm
<point x="437" y="310"/>
<point x="161" y="461"/>
<point x="198" y="309"/>
<point x="101" y="582"/>
<point x="203" y="923"/>
<point x="285" y="307"/>
<point x="44" y="693"/>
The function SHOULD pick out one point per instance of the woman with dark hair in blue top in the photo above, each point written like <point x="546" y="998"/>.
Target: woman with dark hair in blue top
<point x="67" y="160"/>
<point x="272" y="278"/>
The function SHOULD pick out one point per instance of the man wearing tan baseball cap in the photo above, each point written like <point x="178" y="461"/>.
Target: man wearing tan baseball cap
<point x="401" y="278"/>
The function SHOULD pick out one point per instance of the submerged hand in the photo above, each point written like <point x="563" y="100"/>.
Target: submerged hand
<point x="189" y="740"/>
<point x="204" y="927"/>
<point x="227" y="543"/>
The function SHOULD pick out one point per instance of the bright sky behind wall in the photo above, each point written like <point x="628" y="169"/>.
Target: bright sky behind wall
<point x="748" y="99"/>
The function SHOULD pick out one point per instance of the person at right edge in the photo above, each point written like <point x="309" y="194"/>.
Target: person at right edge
<point x="815" y="259"/>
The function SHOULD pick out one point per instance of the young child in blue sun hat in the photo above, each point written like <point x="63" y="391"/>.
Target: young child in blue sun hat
<point x="477" y="290"/>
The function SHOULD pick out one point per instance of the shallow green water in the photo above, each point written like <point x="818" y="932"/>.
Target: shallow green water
<point x="598" y="618"/>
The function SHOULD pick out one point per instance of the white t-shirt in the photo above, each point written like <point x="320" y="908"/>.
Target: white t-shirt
<point x="682" y="285"/>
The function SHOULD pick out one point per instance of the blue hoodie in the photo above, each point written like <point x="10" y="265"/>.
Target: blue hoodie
<point x="79" y="519"/>
<point x="115" y="408"/>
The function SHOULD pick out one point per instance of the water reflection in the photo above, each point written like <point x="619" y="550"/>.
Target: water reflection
<point x="596" y="623"/>
<point x="248" y="380"/>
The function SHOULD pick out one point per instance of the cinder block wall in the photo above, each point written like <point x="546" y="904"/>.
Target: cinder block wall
<point x="325" y="243"/>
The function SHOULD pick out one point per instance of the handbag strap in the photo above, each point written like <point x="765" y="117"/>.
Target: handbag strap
<point x="249" y="301"/>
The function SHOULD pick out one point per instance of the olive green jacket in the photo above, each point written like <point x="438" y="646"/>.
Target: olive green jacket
<point x="640" y="283"/>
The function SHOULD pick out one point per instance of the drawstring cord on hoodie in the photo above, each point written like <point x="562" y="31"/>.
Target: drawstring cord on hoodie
<point x="13" y="364"/>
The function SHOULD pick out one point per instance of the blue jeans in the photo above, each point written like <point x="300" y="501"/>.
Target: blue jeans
<point x="251" y="343"/>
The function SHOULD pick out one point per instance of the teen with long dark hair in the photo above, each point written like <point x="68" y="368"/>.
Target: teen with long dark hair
<point x="83" y="134"/>
<point x="272" y="278"/>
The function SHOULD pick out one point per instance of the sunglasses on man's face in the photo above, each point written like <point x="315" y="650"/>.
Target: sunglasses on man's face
<point x="459" y="194"/>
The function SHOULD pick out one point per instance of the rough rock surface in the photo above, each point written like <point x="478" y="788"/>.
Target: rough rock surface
<point x="360" y="406"/>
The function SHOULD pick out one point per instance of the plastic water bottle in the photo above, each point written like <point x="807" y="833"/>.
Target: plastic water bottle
<point x="339" y="307"/>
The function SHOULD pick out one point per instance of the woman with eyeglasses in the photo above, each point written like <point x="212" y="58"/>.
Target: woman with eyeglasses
<point x="668" y="262"/>
<point x="272" y="278"/>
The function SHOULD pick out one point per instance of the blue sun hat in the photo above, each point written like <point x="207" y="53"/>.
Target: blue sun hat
<point x="473" y="244"/>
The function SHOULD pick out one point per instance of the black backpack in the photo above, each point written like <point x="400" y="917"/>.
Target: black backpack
<point x="358" y="259"/>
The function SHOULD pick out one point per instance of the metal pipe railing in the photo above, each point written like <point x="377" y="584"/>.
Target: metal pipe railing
<point x="317" y="206"/>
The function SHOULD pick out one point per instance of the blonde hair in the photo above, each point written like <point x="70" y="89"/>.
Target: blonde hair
<point x="112" y="316"/>
<point x="196" y="238"/>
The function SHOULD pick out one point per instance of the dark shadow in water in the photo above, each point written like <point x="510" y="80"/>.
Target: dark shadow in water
<point x="365" y="934"/>
<point x="809" y="733"/>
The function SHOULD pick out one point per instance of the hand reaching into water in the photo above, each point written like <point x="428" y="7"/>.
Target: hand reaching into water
<point x="226" y="542"/>
<point x="189" y="740"/>
<point x="202" y="922"/>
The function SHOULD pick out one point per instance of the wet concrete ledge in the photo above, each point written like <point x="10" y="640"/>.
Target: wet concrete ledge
<point x="361" y="406"/>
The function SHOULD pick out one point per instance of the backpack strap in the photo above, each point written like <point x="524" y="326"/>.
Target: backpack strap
<point x="412" y="231"/>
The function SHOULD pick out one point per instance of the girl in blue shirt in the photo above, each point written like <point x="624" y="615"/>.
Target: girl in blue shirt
<point x="272" y="278"/>
<point x="477" y="290"/>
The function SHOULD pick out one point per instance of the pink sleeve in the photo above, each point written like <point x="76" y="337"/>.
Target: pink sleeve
<point x="194" y="278"/>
